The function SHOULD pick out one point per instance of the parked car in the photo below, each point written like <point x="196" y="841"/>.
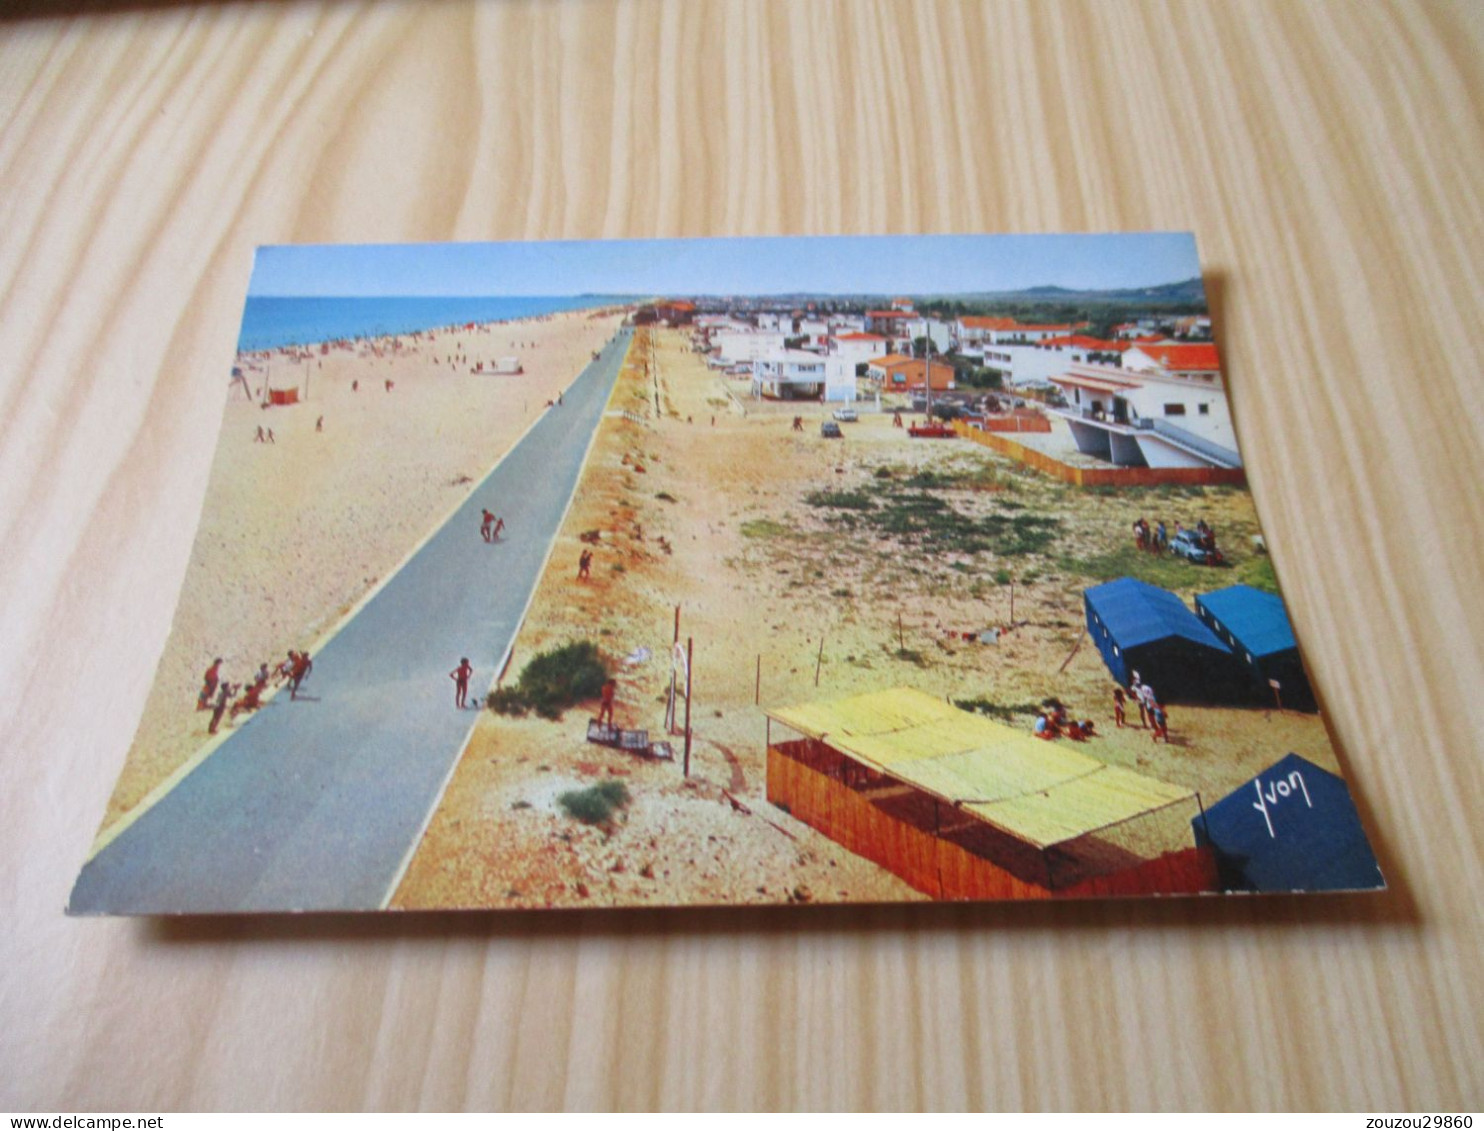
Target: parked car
<point x="932" y="429"/>
<point x="1187" y="544"/>
<point x="846" y="415"/>
<point x="830" y="430"/>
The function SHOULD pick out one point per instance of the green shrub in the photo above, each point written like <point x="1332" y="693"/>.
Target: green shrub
<point x="554" y="681"/>
<point x="596" y="804"/>
<point x="840" y="500"/>
<point x="764" y="528"/>
<point x="507" y="701"/>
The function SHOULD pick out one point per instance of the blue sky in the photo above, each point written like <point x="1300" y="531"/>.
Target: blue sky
<point x="820" y="265"/>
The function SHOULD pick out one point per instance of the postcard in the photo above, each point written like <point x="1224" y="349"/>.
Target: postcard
<point x="726" y="571"/>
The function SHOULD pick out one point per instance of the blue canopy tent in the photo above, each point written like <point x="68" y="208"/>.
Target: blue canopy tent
<point x="1256" y="626"/>
<point x="1291" y="828"/>
<point x="1142" y="628"/>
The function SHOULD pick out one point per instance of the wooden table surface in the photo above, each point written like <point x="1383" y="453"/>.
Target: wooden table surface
<point x="1329" y="157"/>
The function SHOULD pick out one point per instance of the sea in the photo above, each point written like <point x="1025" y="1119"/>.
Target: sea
<point x="270" y="321"/>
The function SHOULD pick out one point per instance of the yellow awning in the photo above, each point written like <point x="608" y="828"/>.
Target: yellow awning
<point x="1041" y="792"/>
<point x="1077" y="807"/>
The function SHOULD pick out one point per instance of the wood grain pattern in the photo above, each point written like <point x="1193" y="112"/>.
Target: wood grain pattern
<point x="1329" y="156"/>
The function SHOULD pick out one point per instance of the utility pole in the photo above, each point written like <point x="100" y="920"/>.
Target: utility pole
<point x="670" y="703"/>
<point x="689" y="653"/>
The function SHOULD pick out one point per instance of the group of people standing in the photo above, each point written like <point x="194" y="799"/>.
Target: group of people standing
<point x="1152" y="714"/>
<point x="221" y="697"/>
<point x="1156" y="539"/>
<point x="1152" y="540"/>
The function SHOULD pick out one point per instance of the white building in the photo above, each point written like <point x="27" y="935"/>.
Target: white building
<point x="1024" y="365"/>
<point x="971" y="329"/>
<point x="1152" y="418"/>
<point x="855" y="348"/>
<point x="941" y="333"/>
<point x="737" y="346"/>
<point x="801" y="375"/>
<point x="815" y="330"/>
<point x="847" y="323"/>
<point x="1024" y="332"/>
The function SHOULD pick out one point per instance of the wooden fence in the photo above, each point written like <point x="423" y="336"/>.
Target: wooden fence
<point x="1103" y="476"/>
<point x="1015" y="422"/>
<point x="937" y="866"/>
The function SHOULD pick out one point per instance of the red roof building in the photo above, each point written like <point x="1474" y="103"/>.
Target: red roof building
<point x="1079" y="341"/>
<point x="1190" y="357"/>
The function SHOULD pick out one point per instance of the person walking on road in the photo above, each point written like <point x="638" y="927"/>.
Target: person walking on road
<point x="486" y="525"/>
<point x="460" y="676"/>
<point x="303" y="665"/>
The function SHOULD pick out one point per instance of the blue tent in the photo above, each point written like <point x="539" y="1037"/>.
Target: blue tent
<point x="1291" y="828"/>
<point x="1142" y="628"/>
<point x="1256" y="626"/>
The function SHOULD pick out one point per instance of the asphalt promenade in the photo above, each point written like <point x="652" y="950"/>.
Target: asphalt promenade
<point x="315" y="804"/>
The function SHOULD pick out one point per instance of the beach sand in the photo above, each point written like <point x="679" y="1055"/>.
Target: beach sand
<point x="712" y="516"/>
<point x="295" y="533"/>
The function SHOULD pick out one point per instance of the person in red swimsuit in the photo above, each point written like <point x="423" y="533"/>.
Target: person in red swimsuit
<point x="303" y="665"/>
<point x="605" y="707"/>
<point x="460" y="676"/>
<point x="208" y="684"/>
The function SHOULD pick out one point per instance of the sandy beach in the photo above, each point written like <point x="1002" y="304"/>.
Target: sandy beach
<point x="390" y="435"/>
<point x="693" y="496"/>
<point x="701" y="505"/>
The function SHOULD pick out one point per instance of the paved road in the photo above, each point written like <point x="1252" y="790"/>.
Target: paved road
<point x="313" y="805"/>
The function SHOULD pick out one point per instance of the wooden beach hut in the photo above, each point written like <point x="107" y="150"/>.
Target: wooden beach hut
<point x="961" y="807"/>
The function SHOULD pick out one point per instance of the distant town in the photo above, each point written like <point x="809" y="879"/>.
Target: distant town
<point x="1142" y="391"/>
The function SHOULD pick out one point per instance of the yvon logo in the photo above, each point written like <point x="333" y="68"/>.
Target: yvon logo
<point x="1277" y="791"/>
